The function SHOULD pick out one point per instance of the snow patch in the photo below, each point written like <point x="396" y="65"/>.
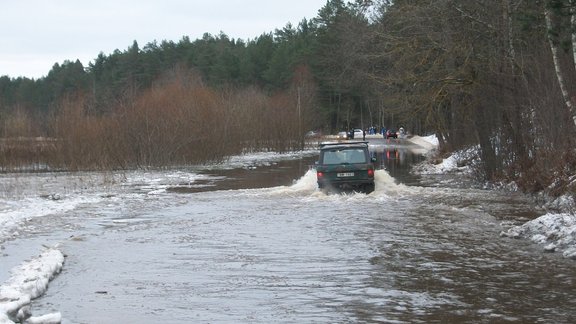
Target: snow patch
<point x="29" y="281"/>
<point x="458" y="162"/>
<point x="15" y="213"/>
<point x="560" y="204"/>
<point x="427" y="142"/>
<point x="557" y="232"/>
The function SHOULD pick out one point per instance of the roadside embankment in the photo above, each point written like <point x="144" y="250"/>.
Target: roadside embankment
<point x="554" y="231"/>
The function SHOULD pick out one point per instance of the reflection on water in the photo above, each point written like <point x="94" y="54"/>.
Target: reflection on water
<point x="395" y="158"/>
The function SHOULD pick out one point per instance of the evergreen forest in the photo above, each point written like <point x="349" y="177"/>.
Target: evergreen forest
<point x="496" y="75"/>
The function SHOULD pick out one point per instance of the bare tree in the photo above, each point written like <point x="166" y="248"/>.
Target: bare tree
<point x="560" y="17"/>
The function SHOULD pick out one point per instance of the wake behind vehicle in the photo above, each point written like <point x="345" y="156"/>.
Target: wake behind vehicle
<point x="345" y="166"/>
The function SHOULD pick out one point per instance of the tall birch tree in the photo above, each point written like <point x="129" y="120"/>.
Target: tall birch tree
<point x="555" y="11"/>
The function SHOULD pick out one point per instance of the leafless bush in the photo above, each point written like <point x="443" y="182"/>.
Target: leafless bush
<point x="17" y="124"/>
<point x="21" y="146"/>
<point x="179" y="121"/>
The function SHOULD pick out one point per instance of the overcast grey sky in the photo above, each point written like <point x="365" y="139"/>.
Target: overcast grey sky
<point x="35" y="34"/>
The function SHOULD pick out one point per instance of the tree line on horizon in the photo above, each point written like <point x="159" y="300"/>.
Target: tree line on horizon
<point x="496" y="75"/>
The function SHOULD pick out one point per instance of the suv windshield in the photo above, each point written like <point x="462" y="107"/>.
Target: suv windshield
<point x="339" y="156"/>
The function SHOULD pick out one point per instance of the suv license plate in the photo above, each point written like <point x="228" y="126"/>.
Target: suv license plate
<point x="345" y="174"/>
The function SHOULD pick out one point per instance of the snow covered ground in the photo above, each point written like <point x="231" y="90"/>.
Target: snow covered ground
<point x="451" y="164"/>
<point x="556" y="232"/>
<point x="29" y="281"/>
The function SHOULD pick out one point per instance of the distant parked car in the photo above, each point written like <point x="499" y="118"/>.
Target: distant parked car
<point x="391" y="133"/>
<point x="342" y="135"/>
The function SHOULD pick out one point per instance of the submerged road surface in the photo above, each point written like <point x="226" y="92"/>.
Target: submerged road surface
<point x="205" y="251"/>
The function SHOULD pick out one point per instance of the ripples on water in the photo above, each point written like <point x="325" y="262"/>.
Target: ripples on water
<point x="405" y="253"/>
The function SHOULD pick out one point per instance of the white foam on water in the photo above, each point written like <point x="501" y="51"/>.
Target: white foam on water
<point x="385" y="187"/>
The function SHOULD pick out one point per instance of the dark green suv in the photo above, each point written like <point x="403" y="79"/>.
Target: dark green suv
<point x="345" y="166"/>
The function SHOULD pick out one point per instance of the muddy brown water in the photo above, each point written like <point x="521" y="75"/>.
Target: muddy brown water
<point x="262" y="245"/>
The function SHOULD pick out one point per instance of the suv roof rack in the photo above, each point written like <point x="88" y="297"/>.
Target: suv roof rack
<point x="343" y="143"/>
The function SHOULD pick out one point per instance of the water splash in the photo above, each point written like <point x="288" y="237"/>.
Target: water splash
<point x="385" y="187"/>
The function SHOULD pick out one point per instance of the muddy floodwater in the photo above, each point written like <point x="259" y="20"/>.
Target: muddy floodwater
<point x="260" y="244"/>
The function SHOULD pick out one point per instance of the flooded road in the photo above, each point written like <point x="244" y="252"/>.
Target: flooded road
<point x="260" y="244"/>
